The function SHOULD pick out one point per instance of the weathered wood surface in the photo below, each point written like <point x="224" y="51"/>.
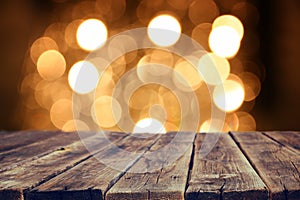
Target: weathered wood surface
<point x="41" y="169"/>
<point x="40" y="147"/>
<point x="96" y="176"/>
<point x="289" y="139"/>
<point x="41" y="165"/>
<point x="17" y="139"/>
<point x="277" y="165"/>
<point x="224" y="173"/>
<point x="161" y="173"/>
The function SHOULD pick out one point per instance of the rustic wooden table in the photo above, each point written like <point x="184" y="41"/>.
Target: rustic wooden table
<point x="56" y="165"/>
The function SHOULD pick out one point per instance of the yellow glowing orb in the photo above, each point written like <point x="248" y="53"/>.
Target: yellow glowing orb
<point x="75" y="125"/>
<point x="214" y="125"/>
<point x="164" y="30"/>
<point x="83" y="77"/>
<point x="91" y="34"/>
<point x="51" y="65"/>
<point x="213" y="69"/>
<point x="106" y="111"/>
<point x="186" y="76"/>
<point x="229" y="96"/>
<point x="41" y="45"/>
<point x="61" y="112"/>
<point x="149" y="125"/>
<point x="246" y="121"/>
<point x="224" y="41"/>
<point x="230" y="21"/>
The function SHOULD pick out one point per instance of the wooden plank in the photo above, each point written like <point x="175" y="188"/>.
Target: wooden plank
<point x="278" y="166"/>
<point x="224" y="173"/>
<point x="12" y="140"/>
<point x="289" y="139"/>
<point x="93" y="177"/>
<point x="33" y="173"/>
<point x="161" y="173"/>
<point x="18" y="156"/>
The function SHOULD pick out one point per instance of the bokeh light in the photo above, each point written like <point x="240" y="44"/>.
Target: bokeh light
<point x="203" y="11"/>
<point x="149" y="125"/>
<point x="232" y="121"/>
<point x="228" y="65"/>
<point x="83" y="77"/>
<point x="41" y="45"/>
<point x="213" y="68"/>
<point x="246" y="121"/>
<point x="150" y="97"/>
<point x="91" y="34"/>
<point x="173" y="110"/>
<point x="200" y="33"/>
<point x="56" y="32"/>
<point x="230" y="21"/>
<point x="224" y="41"/>
<point x="186" y="76"/>
<point x="61" y="112"/>
<point x="75" y="125"/>
<point x="106" y="111"/>
<point x="229" y="96"/>
<point x="251" y="84"/>
<point x="164" y="30"/>
<point x="247" y="12"/>
<point x="70" y="33"/>
<point x="214" y="125"/>
<point x="51" y="65"/>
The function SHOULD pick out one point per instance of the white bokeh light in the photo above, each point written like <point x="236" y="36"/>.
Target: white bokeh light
<point x="229" y="96"/>
<point x="149" y="125"/>
<point x="83" y="77"/>
<point x="224" y="41"/>
<point x="213" y="69"/>
<point x="91" y="34"/>
<point x="164" y="30"/>
<point x="230" y="21"/>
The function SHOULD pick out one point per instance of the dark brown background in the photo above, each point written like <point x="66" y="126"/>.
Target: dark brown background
<point x="277" y="107"/>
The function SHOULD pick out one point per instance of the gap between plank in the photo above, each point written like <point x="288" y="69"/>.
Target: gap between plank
<point x="56" y="174"/>
<point x="36" y="157"/>
<point x="251" y="163"/>
<point x="63" y="170"/>
<point x="191" y="165"/>
<point x="280" y="143"/>
<point x="285" y="191"/>
<point x="221" y="190"/>
<point x="114" y="181"/>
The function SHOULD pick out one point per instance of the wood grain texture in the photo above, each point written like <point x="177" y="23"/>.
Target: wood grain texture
<point x="289" y="139"/>
<point x="43" y="165"/>
<point x="15" y="157"/>
<point x="93" y="177"/>
<point x="32" y="173"/>
<point x="161" y="173"/>
<point x="278" y="166"/>
<point x="12" y="140"/>
<point x="224" y="173"/>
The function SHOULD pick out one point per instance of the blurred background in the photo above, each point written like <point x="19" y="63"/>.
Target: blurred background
<point x="269" y="50"/>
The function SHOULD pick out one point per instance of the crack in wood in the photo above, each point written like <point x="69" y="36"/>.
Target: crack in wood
<point x="157" y="178"/>
<point x="148" y="194"/>
<point x="250" y="162"/>
<point x="227" y="172"/>
<point x="221" y="189"/>
<point x="111" y="184"/>
<point x="280" y="143"/>
<point x="191" y="165"/>
<point x="296" y="169"/>
<point x="285" y="191"/>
